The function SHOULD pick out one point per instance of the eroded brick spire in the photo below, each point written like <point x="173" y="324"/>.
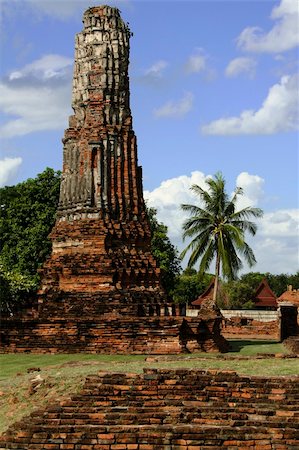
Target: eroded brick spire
<point x="101" y="239"/>
<point x="101" y="176"/>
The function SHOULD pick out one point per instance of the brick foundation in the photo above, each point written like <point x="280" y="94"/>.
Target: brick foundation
<point x="146" y="335"/>
<point x="167" y="409"/>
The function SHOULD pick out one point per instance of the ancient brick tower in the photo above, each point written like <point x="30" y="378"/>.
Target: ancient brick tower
<point x="100" y="289"/>
<point x="101" y="240"/>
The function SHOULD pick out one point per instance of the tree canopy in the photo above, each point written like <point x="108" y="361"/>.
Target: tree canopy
<point x="164" y="251"/>
<point x="27" y="215"/>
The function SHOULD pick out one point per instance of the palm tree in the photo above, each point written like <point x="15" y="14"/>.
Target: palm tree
<point x="218" y="230"/>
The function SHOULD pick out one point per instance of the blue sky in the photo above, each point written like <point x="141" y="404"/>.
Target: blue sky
<point x="214" y="86"/>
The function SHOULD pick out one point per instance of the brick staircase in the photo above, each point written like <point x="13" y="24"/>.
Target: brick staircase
<point x="167" y="409"/>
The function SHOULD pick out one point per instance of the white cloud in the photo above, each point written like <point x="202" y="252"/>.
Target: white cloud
<point x="45" y="68"/>
<point x="282" y="37"/>
<point x="37" y="96"/>
<point x="8" y="169"/>
<point x="280" y="223"/>
<point x="197" y="62"/>
<point x="276" y="245"/>
<point x="176" y="109"/>
<point x="168" y="197"/>
<point x="278" y="113"/>
<point x="156" y="69"/>
<point x="241" y="65"/>
<point x="276" y="242"/>
<point x="253" y="189"/>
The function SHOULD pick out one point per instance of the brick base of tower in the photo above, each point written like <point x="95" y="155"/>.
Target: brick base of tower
<point x="100" y="255"/>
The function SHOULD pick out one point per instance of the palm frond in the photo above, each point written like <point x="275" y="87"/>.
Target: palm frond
<point x="206" y="260"/>
<point x="245" y="225"/>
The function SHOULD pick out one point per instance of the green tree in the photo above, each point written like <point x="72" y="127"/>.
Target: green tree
<point x="218" y="230"/>
<point x="189" y="285"/>
<point x="236" y="295"/>
<point x="27" y="215"/>
<point x="279" y="283"/>
<point x="253" y="279"/>
<point x="15" y="290"/>
<point x="164" y="251"/>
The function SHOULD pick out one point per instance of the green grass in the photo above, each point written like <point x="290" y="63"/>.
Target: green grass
<point x="11" y="364"/>
<point x="63" y="375"/>
<point x="252" y="347"/>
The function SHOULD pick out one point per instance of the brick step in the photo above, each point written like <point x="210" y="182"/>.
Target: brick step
<point x="208" y="410"/>
<point x="155" y="399"/>
<point x="175" y="417"/>
<point x="159" y="410"/>
<point x="155" y="434"/>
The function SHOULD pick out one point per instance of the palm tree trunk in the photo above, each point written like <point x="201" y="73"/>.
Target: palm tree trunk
<point x="216" y="283"/>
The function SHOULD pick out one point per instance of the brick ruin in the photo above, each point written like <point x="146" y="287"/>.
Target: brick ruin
<point x="101" y="239"/>
<point x="100" y="289"/>
<point x="158" y="410"/>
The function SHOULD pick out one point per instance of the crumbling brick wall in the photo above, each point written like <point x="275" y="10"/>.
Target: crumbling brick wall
<point x="247" y="328"/>
<point x="109" y="334"/>
<point x="167" y="409"/>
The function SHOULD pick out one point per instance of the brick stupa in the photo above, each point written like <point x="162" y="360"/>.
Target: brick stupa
<point x="101" y="239"/>
<point x="100" y="289"/>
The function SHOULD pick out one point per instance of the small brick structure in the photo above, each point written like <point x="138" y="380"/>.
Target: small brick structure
<point x="167" y="409"/>
<point x="101" y="287"/>
<point x="251" y="324"/>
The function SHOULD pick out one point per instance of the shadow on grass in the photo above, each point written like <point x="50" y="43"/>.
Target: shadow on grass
<point x="237" y="345"/>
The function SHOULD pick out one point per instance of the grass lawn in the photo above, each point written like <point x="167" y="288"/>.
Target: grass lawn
<point x="64" y="374"/>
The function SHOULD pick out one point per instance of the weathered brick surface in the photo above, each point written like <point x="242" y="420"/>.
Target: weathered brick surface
<point x="237" y="327"/>
<point x="166" y="409"/>
<point x="143" y="335"/>
<point x="101" y="239"/>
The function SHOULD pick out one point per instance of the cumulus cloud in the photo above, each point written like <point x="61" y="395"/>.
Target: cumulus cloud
<point x="154" y="75"/>
<point x="156" y="69"/>
<point x="176" y="109"/>
<point x="45" y="68"/>
<point x="253" y="189"/>
<point x="278" y="113"/>
<point x="197" y="62"/>
<point x="276" y="242"/>
<point x="8" y="169"/>
<point x="168" y="197"/>
<point x="284" y="222"/>
<point x="241" y="65"/>
<point x="282" y="37"/>
<point x="276" y="245"/>
<point x="37" y="96"/>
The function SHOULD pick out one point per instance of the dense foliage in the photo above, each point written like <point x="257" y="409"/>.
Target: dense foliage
<point x="164" y="251"/>
<point x="236" y="295"/>
<point x="189" y="285"/>
<point x="239" y="294"/>
<point x="27" y="215"/>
